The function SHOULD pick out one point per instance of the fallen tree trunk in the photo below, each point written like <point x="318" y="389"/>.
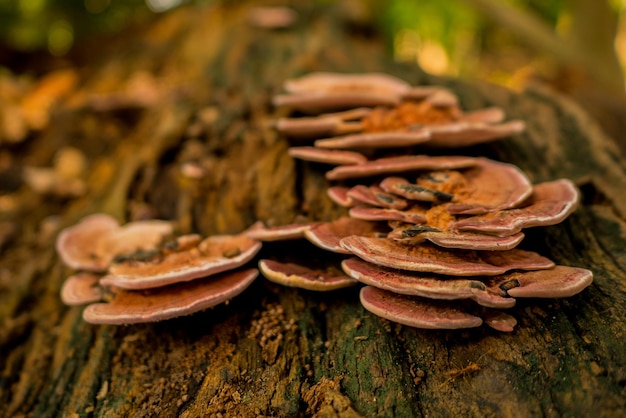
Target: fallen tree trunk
<point x="283" y="352"/>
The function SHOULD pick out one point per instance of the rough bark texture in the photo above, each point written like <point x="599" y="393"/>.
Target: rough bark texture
<point x="282" y="352"/>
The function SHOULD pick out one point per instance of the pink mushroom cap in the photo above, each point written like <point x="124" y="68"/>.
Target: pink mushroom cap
<point x="499" y="320"/>
<point x="321" y="101"/>
<point x="415" y="312"/>
<point x="97" y="239"/>
<point x="550" y="203"/>
<point x="415" y="234"/>
<point x="558" y="282"/>
<point x="492" y="186"/>
<point x="400" y="165"/>
<point x="424" y="285"/>
<point x="294" y="275"/>
<point x="75" y="243"/>
<point x="377" y="140"/>
<point x="338" y="82"/>
<point x="412" y="215"/>
<point x="402" y="187"/>
<point x="130" y="307"/>
<point x="375" y="196"/>
<point x="80" y="289"/>
<point x="260" y="232"/>
<point x="463" y="134"/>
<point x="338" y="123"/>
<point x="134" y="236"/>
<point x="211" y="256"/>
<point x="328" y="235"/>
<point x="334" y="157"/>
<point x="339" y="195"/>
<point x="428" y="258"/>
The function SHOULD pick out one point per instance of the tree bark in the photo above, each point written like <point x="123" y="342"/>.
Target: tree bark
<point x="277" y="351"/>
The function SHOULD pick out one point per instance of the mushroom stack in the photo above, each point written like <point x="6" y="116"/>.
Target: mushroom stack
<point x="132" y="273"/>
<point x="382" y="112"/>
<point x="428" y="232"/>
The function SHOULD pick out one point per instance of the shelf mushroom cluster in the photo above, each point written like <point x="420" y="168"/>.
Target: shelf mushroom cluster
<point x="134" y="273"/>
<point x="384" y="112"/>
<point x="433" y="238"/>
<point x="424" y="233"/>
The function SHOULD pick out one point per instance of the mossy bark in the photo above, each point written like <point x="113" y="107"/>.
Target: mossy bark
<point x="277" y="351"/>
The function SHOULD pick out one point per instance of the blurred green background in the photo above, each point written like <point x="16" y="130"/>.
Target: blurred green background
<point x="576" y="46"/>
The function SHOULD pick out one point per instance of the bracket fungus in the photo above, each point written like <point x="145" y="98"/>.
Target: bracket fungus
<point x="339" y="195"/>
<point x="432" y="259"/>
<point x="260" y="232"/>
<point x="130" y="307"/>
<point x="296" y="275"/>
<point x="416" y="312"/>
<point x="375" y="196"/>
<point x="400" y="164"/>
<point x="81" y="288"/>
<point x="93" y="243"/>
<point x="416" y="234"/>
<point x="335" y="157"/>
<point x="399" y="115"/>
<point x="328" y="91"/>
<point x="549" y="204"/>
<point x="412" y="215"/>
<point x="147" y="280"/>
<point x="433" y="238"/>
<point x="440" y="227"/>
<point x="328" y="235"/>
<point x="427" y="285"/>
<point x="187" y="258"/>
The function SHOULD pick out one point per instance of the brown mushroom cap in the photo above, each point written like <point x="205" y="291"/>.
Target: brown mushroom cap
<point x="75" y="244"/>
<point x="310" y="127"/>
<point x="324" y="91"/>
<point x="321" y="101"/>
<point x="339" y="195"/>
<point x="400" y="165"/>
<point x="260" y="232"/>
<point x="499" y="320"/>
<point x="339" y="123"/>
<point x="387" y="89"/>
<point x="415" y="234"/>
<point x="294" y="275"/>
<point x="492" y="186"/>
<point x="463" y="134"/>
<point x="391" y="139"/>
<point x="134" y="236"/>
<point x="402" y="187"/>
<point x="428" y="286"/>
<point x="550" y="203"/>
<point x="428" y="258"/>
<point x="337" y="82"/>
<point x="416" y="312"/>
<point x="97" y="239"/>
<point x="211" y="256"/>
<point x="558" y="282"/>
<point x="327" y="235"/>
<point x="130" y="307"/>
<point x="376" y="196"/>
<point x="80" y="289"/>
<point x="413" y="215"/>
<point x="325" y="156"/>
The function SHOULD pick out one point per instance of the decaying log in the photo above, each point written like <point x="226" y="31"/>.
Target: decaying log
<point x="277" y="351"/>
